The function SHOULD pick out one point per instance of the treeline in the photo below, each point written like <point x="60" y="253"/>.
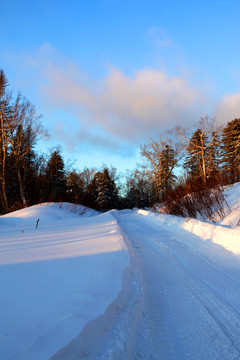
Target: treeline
<point x="204" y="158"/>
<point x="182" y="162"/>
<point x="28" y="178"/>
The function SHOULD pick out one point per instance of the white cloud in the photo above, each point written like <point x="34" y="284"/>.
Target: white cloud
<point x="116" y="111"/>
<point x="228" y="108"/>
<point x="159" y="37"/>
<point x="125" y="107"/>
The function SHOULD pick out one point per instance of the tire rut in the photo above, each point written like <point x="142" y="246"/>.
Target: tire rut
<point x="175" y="314"/>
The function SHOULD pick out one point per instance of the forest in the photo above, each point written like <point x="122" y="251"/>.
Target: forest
<point x="196" y="161"/>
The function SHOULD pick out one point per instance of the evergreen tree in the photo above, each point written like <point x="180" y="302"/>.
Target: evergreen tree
<point x="89" y="188"/>
<point x="103" y="190"/>
<point x="231" y="150"/>
<point x="75" y="187"/>
<point x="196" y="159"/>
<point x="139" y="190"/>
<point x="168" y="164"/>
<point x="213" y="155"/>
<point x="56" y="177"/>
<point x="107" y="192"/>
<point x="40" y="194"/>
<point x="201" y="152"/>
<point x="92" y="190"/>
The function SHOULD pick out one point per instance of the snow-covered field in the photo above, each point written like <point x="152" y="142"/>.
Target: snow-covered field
<point x="56" y="277"/>
<point x="70" y="290"/>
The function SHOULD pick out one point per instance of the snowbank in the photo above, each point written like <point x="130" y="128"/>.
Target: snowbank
<point x="228" y="237"/>
<point x="232" y="194"/>
<point x="46" y="212"/>
<point x="55" y="278"/>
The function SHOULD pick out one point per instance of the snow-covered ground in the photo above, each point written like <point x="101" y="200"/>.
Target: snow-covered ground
<point x="61" y="282"/>
<point x="232" y="194"/>
<point x="56" y="277"/>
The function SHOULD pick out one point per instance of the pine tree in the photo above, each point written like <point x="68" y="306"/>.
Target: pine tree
<point x="196" y="159"/>
<point x="198" y="147"/>
<point x="92" y="190"/>
<point x="56" y="177"/>
<point x="231" y="150"/>
<point x="103" y="190"/>
<point x="40" y="188"/>
<point x="213" y="155"/>
<point x="168" y="164"/>
<point x="139" y="190"/>
<point x="75" y="187"/>
<point x="107" y="192"/>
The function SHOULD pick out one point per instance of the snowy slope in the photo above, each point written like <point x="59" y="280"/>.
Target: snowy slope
<point x="227" y="237"/>
<point x="56" y="277"/>
<point x="45" y="212"/>
<point x="232" y="194"/>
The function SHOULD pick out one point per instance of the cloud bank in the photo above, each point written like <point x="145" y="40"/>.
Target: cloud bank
<point x="126" y="107"/>
<point x="228" y="108"/>
<point x="117" y="111"/>
<point x="120" y="108"/>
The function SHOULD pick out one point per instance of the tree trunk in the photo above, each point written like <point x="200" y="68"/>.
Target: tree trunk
<point x="3" y="182"/>
<point x="3" y="144"/>
<point x="203" y="161"/>
<point x="24" y="202"/>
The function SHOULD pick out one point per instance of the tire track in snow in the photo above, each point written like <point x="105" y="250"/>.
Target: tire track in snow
<point x="225" y="314"/>
<point x="152" y="330"/>
<point x="168" y="340"/>
<point x="141" y="331"/>
<point x="221" y="308"/>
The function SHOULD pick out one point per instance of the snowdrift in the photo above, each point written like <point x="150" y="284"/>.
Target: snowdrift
<point x="228" y="237"/>
<point x="225" y="232"/>
<point x="55" y="278"/>
<point x="232" y="194"/>
<point x="46" y="212"/>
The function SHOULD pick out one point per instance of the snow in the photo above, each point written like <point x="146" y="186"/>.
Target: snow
<point x="229" y="238"/>
<point x="55" y="278"/>
<point x="232" y="194"/>
<point x="189" y="303"/>
<point x="128" y="284"/>
<point x="225" y="232"/>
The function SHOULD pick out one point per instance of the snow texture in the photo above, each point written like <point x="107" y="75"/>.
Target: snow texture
<point x="70" y="290"/>
<point x="55" y="278"/>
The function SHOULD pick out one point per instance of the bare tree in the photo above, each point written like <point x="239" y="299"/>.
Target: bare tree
<point x="206" y="127"/>
<point x="154" y="152"/>
<point x="4" y="146"/>
<point x="4" y="111"/>
<point x="22" y="129"/>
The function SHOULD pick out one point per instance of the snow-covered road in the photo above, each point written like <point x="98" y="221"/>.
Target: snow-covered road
<point x="188" y="301"/>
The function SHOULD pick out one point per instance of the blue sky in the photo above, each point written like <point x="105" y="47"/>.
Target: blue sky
<point x="106" y="75"/>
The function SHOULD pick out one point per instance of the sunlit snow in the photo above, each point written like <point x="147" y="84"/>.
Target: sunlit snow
<point x="55" y="278"/>
<point x="121" y="285"/>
